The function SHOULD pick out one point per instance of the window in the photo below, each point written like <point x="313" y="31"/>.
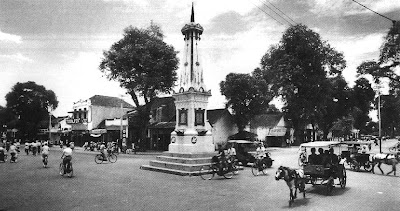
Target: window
<point x="80" y="113"/>
<point x="199" y="117"/>
<point x="84" y="113"/>
<point x="183" y="116"/>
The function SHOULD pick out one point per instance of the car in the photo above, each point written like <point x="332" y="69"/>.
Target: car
<point x="244" y="150"/>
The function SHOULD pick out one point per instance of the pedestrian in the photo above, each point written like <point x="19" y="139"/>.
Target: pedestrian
<point x="27" y="145"/>
<point x="287" y="142"/>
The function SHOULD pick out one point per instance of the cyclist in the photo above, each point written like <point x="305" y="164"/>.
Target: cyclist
<point x="222" y="159"/>
<point x="2" y="154"/>
<point x="45" y="153"/>
<point x="66" y="156"/>
<point x="13" y="152"/>
<point x="103" y="150"/>
<point x="231" y="153"/>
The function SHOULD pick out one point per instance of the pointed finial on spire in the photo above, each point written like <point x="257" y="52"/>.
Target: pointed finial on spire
<point x="192" y="16"/>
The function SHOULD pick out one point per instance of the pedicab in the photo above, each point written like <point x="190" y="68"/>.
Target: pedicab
<point x="356" y="155"/>
<point x="327" y="174"/>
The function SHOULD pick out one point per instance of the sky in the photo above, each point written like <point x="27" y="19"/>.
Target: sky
<point x="59" y="43"/>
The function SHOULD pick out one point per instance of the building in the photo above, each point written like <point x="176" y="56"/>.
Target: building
<point x="88" y="119"/>
<point x="270" y="128"/>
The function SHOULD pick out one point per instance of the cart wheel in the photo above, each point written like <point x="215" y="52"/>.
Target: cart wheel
<point x="207" y="172"/>
<point x="368" y="166"/>
<point x="342" y="179"/>
<point x="228" y="173"/>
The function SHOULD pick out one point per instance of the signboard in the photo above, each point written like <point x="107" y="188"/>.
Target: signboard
<point x="277" y="131"/>
<point x="76" y="121"/>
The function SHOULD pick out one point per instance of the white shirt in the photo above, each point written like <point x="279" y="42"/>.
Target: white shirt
<point x="67" y="151"/>
<point x="13" y="149"/>
<point x="260" y="151"/>
<point x="231" y="151"/>
<point x="45" y="150"/>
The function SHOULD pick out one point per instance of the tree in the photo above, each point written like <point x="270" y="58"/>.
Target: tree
<point x="30" y="103"/>
<point x="362" y="98"/>
<point x="144" y="65"/>
<point x="297" y="69"/>
<point x="247" y="95"/>
<point x="386" y="68"/>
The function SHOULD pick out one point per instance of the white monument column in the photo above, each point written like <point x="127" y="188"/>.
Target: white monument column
<point x="190" y="135"/>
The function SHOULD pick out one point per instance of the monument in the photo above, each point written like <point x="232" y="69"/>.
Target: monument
<point x="191" y="143"/>
<point x="190" y="135"/>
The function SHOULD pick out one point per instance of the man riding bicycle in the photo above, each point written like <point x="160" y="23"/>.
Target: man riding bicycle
<point x="66" y="156"/>
<point x="45" y="153"/>
<point x="103" y="150"/>
<point x="13" y="152"/>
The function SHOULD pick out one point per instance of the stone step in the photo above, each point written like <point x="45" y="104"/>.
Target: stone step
<point x="175" y="171"/>
<point x="169" y="171"/>
<point x="177" y="166"/>
<point x="184" y="160"/>
<point x="190" y="155"/>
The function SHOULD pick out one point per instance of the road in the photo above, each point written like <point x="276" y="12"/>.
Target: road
<point x="26" y="185"/>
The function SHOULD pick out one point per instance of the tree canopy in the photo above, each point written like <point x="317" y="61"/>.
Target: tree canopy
<point x="298" y="69"/>
<point x="247" y="95"/>
<point x="143" y="64"/>
<point x="30" y="102"/>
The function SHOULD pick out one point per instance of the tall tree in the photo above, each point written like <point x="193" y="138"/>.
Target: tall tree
<point x="30" y="103"/>
<point x="144" y="65"/>
<point x="385" y="67"/>
<point x="247" y="95"/>
<point x="297" y="68"/>
<point x="362" y="98"/>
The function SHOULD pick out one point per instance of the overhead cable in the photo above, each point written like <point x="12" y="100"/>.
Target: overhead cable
<point x="281" y="12"/>
<point x="267" y="14"/>
<point x="393" y="21"/>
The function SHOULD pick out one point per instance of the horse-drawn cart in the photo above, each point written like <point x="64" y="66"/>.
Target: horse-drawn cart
<point x="354" y="158"/>
<point x="323" y="174"/>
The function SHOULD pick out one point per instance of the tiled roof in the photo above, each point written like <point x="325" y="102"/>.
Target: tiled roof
<point x="266" y="120"/>
<point x="107" y="101"/>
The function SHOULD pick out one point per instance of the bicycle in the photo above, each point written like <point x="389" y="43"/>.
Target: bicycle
<point x="111" y="157"/>
<point x="207" y="172"/>
<point x="45" y="160"/>
<point x="69" y="171"/>
<point x="259" y="165"/>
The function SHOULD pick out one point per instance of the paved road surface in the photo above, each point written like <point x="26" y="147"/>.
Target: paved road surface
<point x="26" y="185"/>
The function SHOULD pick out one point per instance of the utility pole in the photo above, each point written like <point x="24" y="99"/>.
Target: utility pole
<point x="49" y="108"/>
<point x="378" y="87"/>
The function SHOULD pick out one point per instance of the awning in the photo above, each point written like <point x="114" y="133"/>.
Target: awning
<point x="277" y="131"/>
<point x="98" y="131"/>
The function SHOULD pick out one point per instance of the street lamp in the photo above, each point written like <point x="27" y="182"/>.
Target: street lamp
<point x="378" y="87"/>
<point x="49" y="109"/>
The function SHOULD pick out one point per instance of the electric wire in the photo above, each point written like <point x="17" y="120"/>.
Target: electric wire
<point x="275" y="12"/>
<point x="374" y="11"/>
<point x="267" y="14"/>
<point x="281" y="12"/>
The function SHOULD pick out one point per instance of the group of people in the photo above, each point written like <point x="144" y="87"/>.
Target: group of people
<point x="326" y="158"/>
<point x="9" y="147"/>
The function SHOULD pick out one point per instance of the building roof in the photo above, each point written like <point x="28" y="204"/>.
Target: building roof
<point x="107" y="101"/>
<point x="266" y="120"/>
<point x="214" y="115"/>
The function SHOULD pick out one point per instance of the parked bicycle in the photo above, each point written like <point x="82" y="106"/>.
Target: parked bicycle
<point x="227" y="170"/>
<point x="111" y="157"/>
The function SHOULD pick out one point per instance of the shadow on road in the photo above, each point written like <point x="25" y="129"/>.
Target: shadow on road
<point x="299" y="202"/>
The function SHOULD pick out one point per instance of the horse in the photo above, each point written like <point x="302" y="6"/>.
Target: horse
<point x="388" y="159"/>
<point x="294" y="179"/>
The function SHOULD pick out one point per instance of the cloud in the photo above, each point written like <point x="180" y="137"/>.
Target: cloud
<point x="15" y="57"/>
<point x="10" y="38"/>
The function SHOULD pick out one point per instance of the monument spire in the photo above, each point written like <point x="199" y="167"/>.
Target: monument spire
<point x="192" y="16"/>
<point x="191" y="73"/>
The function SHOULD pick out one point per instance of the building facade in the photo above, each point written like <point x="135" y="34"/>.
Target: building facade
<point x="88" y="119"/>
